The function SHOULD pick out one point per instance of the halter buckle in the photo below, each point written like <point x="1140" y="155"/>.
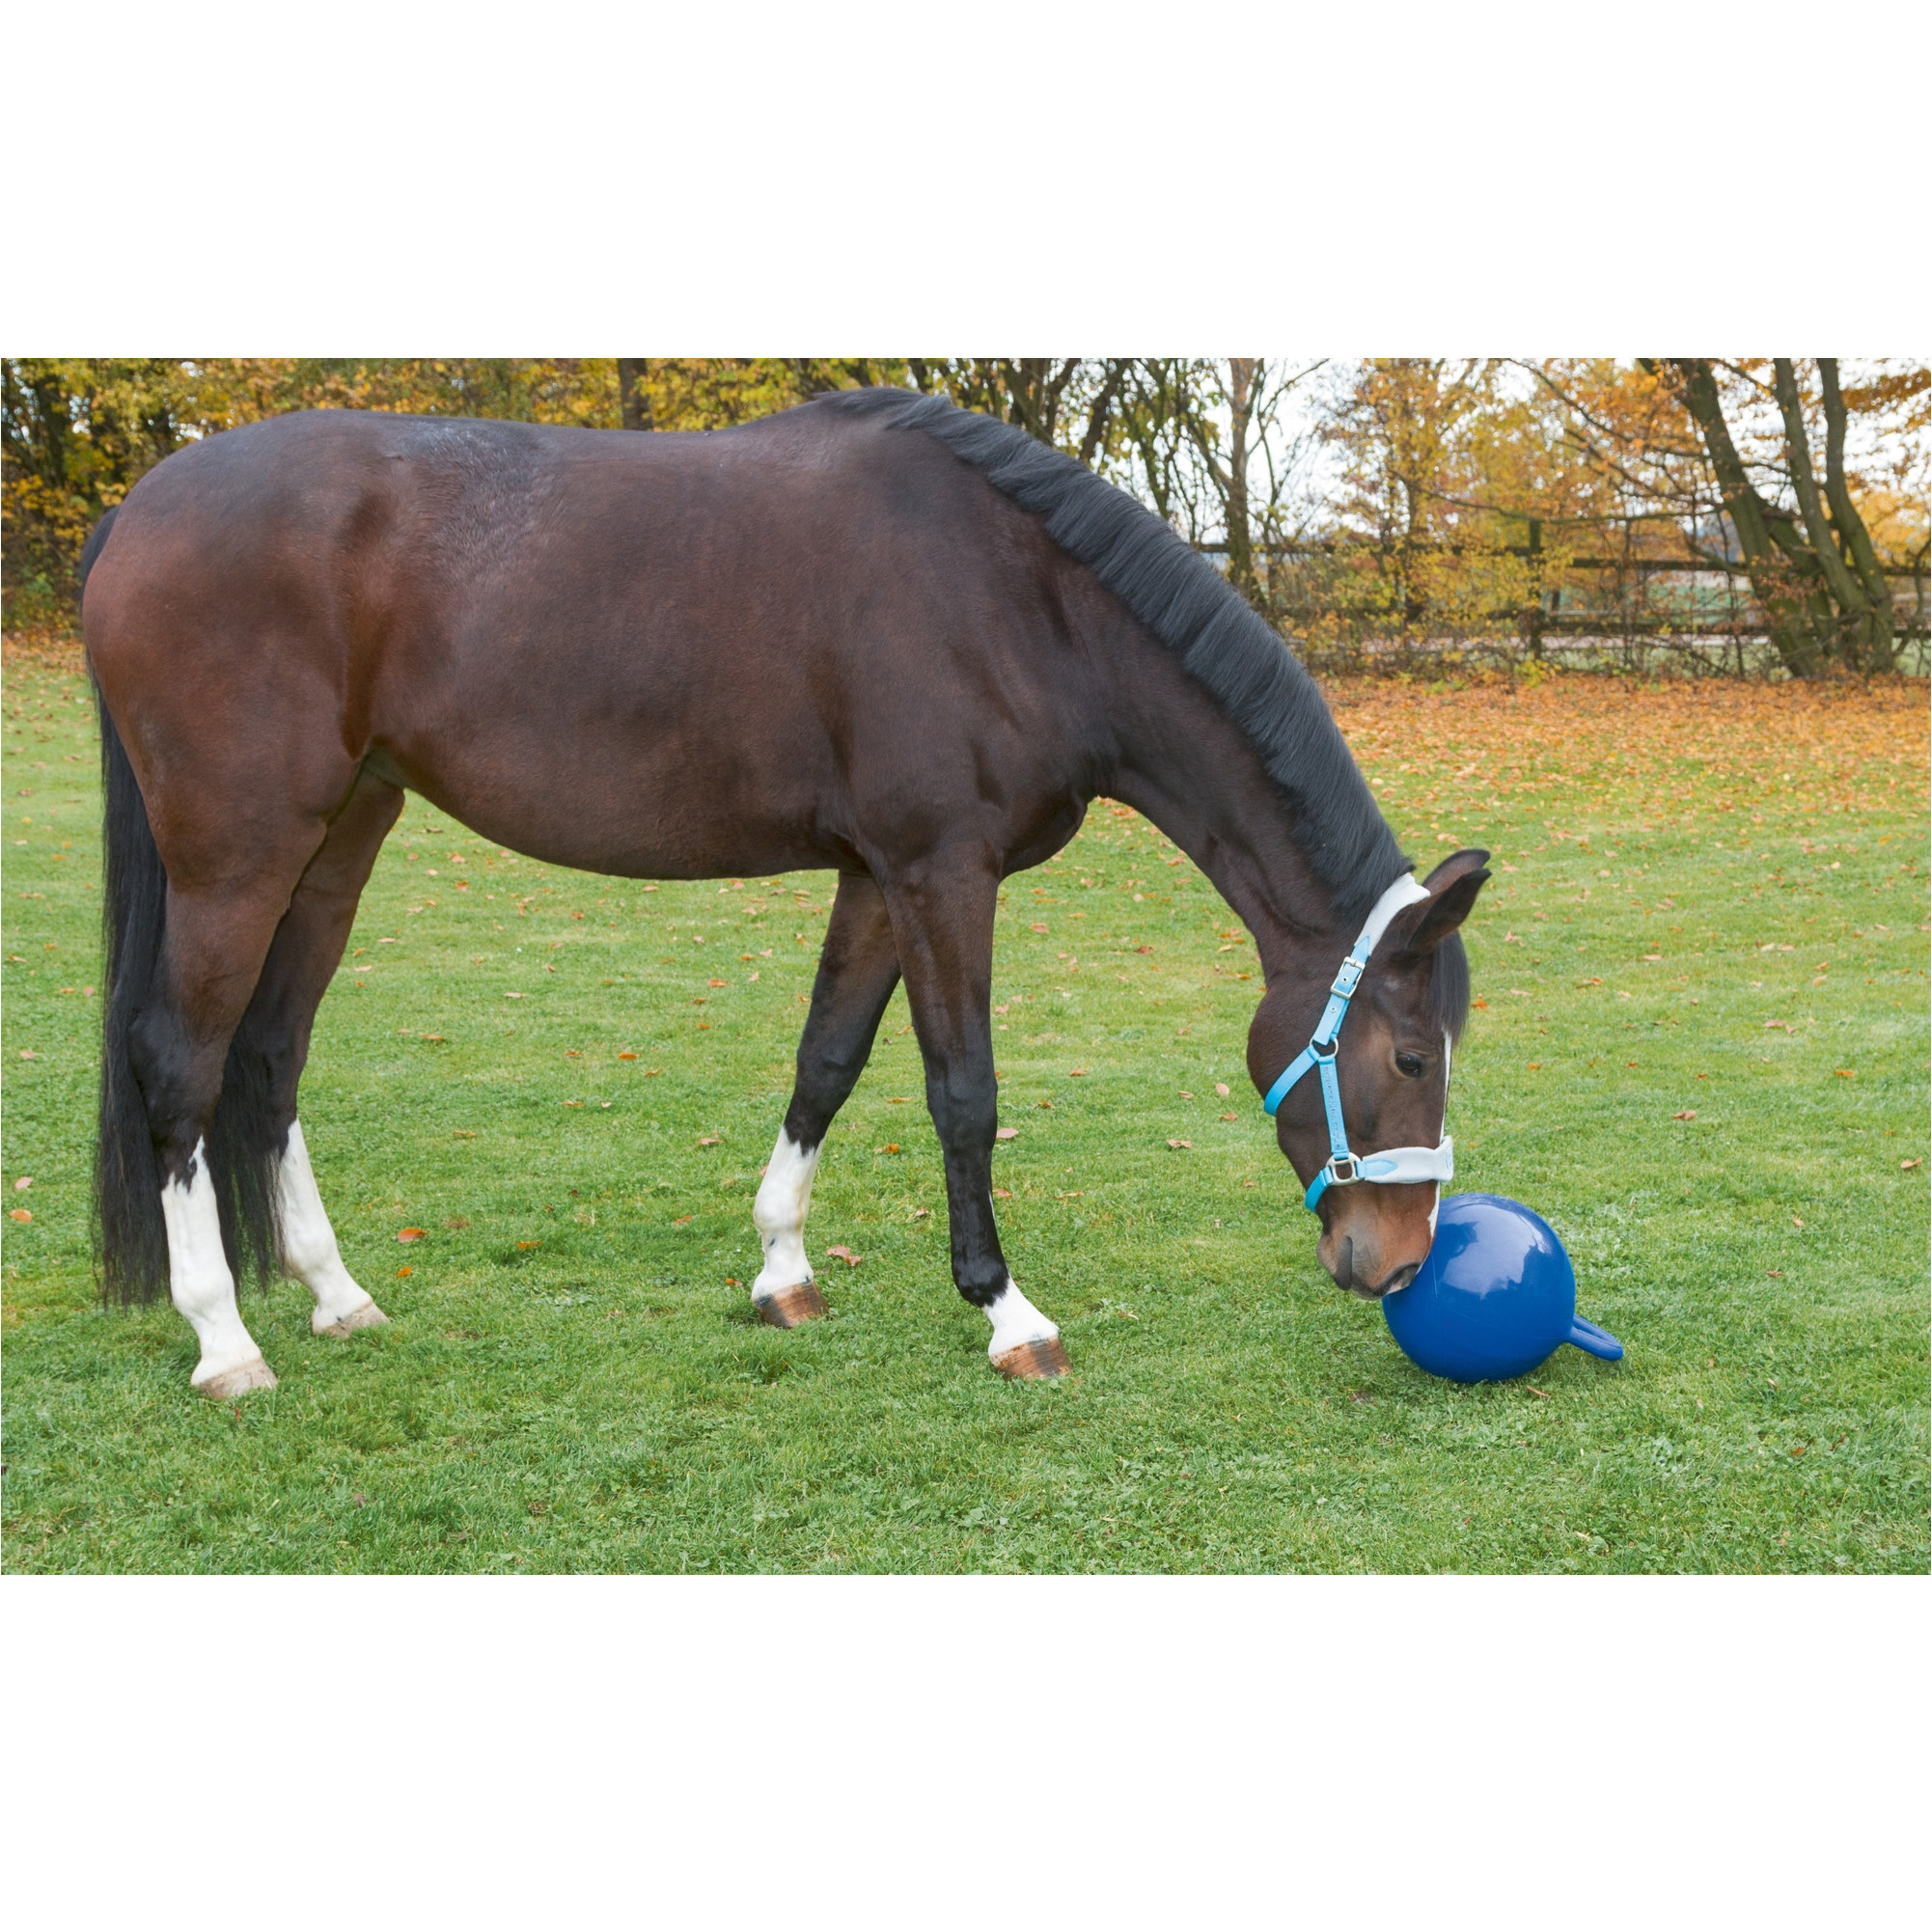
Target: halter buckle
<point x="1350" y="978"/>
<point x="1336" y="1176"/>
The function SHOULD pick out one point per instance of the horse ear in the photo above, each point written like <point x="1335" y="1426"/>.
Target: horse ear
<point x="1452" y="888"/>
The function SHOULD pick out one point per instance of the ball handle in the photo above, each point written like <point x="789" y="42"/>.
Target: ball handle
<point x="1595" y="1341"/>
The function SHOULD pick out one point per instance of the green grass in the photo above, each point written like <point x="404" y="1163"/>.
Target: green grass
<point x="572" y="1380"/>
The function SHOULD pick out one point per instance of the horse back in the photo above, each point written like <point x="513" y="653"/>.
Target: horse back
<point x="659" y="654"/>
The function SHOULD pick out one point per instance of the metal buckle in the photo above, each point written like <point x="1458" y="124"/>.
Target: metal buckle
<point x="1335" y="1177"/>
<point x="1333" y="1047"/>
<point x="1350" y="978"/>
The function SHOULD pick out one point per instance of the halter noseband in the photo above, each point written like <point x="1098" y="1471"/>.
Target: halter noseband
<point x="1393" y="1164"/>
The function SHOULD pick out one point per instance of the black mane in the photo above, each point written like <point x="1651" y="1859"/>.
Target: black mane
<point x="1199" y="614"/>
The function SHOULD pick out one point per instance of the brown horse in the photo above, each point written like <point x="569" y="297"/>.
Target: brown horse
<point x="875" y="633"/>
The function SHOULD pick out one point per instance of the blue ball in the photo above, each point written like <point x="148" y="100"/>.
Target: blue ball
<point x="1496" y="1297"/>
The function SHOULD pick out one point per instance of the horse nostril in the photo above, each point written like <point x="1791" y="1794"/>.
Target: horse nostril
<point x="1345" y="1262"/>
<point x="1401" y="1277"/>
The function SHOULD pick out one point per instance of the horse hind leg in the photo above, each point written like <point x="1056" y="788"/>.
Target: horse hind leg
<point x="273" y="1040"/>
<point x="206" y="1126"/>
<point x="857" y="971"/>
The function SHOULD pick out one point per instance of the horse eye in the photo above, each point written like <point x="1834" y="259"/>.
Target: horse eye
<point x="1410" y="1064"/>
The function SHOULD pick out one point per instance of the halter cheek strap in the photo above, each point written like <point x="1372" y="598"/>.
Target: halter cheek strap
<point x="1394" y="1164"/>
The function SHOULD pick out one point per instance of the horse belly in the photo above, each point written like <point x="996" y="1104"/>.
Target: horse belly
<point x="664" y="762"/>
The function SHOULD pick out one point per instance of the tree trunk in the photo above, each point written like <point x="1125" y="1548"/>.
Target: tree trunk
<point x="1240" y="535"/>
<point x="1772" y="574"/>
<point x="1882" y="647"/>
<point x="1853" y="630"/>
<point x="633" y="399"/>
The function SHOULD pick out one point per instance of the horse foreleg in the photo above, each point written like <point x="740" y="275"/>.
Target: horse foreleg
<point x="857" y="971"/>
<point x="942" y="927"/>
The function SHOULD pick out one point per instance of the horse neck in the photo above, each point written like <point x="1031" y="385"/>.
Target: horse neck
<point x="1182" y="763"/>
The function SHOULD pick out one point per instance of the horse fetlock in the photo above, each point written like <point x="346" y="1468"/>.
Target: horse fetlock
<point x="784" y="1200"/>
<point x="1016" y="1323"/>
<point x="307" y="1243"/>
<point x="200" y="1282"/>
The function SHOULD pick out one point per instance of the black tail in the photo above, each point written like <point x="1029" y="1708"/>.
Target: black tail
<point x="131" y="1239"/>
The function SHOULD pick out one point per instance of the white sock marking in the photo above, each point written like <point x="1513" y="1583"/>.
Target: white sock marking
<point x="309" y="1250"/>
<point x="199" y="1281"/>
<point x="1015" y="1322"/>
<point x="784" y="1200"/>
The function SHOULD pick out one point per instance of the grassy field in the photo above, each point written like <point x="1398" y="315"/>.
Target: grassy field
<point x="1699" y="1050"/>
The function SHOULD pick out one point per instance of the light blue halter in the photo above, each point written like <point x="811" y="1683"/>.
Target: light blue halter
<point x="1393" y="1164"/>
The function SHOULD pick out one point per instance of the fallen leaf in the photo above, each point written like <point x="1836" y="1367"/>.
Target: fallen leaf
<point x="1004" y="1192"/>
<point x="28" y="1053"/>
<point x="1796" y="1222"/>
<point x="1485" y="1004"/>
<point x="1228" y="1117"/>
<point x="715" y="983"/>
<point x="709" y="1139"/>
<point x="1221" y="1088"/>
<point x="409" y="1233"/>
<point x="23" y="1214"/>
<point x="401" y="1272"/>
<point x="1185" y="1095"/>
<point x="1905" y="1167"/>
<point x="1180" y="1144"/>
<point x="1846" y="1073"/>
<point x="844" y="1255"/>
<point x="1535" y="1066"/>
<point x="1689" y="1113"/>
<point x="26" y="1181"/>
<point x="1080" y="1073"/>
<point x="627" y="1056"/>
<point x="1039" y="927"/>
<point x="678" y="1222"/>
<point x="1005" y="1133"/>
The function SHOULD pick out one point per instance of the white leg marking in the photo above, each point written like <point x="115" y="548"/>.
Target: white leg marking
<point x="1016" y="1322"/>
<point x="309" y="1250"/>
<point x="784" y="1200"/>
<point x="199" y="1281"/>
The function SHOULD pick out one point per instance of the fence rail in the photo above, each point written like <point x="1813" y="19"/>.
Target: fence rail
<point x="1619" y="600"/>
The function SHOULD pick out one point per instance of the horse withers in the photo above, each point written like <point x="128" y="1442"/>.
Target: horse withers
<point x="875" y="633"/>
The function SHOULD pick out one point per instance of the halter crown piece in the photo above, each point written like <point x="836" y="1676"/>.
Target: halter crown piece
<point x="1393" y="1164"/>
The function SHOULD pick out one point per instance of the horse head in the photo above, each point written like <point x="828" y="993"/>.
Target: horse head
<point x="1391" y="1065"/>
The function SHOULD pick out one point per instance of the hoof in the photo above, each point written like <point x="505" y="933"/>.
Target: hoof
<point x="237" y="1381"/>
<point x="1034" y="1362"/>
<point x="790" y="1307"/>
<point x="368" y="1316"/>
